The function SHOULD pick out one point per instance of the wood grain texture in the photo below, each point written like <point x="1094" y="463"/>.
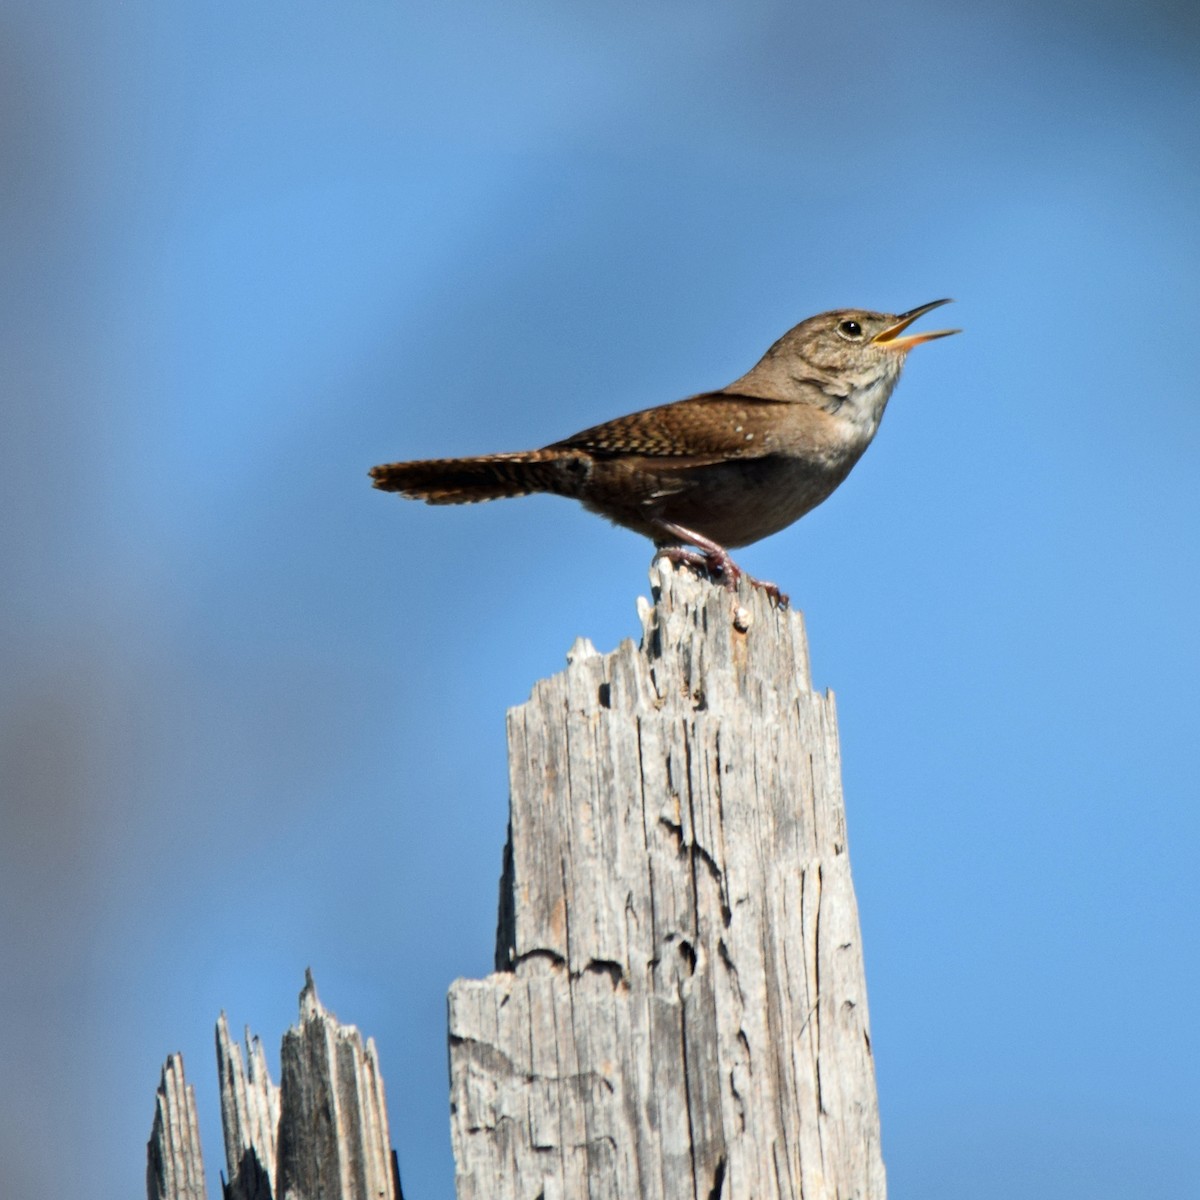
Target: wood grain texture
<point x="174" y="1163"/>
<point x="333" y="1128"/>
<point x="249" y="1116"/>
<point x="681" y="1009"/>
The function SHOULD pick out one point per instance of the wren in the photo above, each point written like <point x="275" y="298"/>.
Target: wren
<point x="720" y="469"/>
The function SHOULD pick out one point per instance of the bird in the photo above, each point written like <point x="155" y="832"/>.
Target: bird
<point x="718" y="470"/>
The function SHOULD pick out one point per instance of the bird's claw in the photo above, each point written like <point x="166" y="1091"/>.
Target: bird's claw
<point x="772" y="589"/>
<point x="719" y="565"/>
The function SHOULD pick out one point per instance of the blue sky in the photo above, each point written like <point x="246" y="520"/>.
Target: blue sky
<point x="253" y="712"/>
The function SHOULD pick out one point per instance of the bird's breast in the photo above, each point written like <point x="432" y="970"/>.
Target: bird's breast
<point x="734" y="502"/>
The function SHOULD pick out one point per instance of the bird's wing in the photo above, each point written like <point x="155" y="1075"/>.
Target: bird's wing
<point x="710" y="427"/>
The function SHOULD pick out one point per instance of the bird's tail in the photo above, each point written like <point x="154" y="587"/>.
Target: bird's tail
<point x="488" y="477"/>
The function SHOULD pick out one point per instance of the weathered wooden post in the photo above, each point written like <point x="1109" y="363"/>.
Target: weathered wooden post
<point x="678" y="1008"/>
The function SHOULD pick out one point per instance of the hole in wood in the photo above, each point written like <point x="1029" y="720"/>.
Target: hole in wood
<point x="718" y="1180"/>
<point x="688" y="953"/>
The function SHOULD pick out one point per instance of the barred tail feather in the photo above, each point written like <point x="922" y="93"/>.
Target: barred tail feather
<point x="470" y="480"/>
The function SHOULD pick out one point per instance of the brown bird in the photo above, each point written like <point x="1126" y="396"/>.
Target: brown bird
<point x="718" y="470"/>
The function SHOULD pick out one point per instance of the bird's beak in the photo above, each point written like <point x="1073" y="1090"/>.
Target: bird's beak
<point x="890" y="336"/>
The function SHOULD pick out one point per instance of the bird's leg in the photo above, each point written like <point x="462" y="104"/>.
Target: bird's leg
<point x="713" y="558"/>
<point x="682" y="556"/>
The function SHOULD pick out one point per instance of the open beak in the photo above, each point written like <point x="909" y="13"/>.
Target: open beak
<point x="890" y="336"/>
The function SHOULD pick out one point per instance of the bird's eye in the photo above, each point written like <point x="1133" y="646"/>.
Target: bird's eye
<point x="850" y="329"/>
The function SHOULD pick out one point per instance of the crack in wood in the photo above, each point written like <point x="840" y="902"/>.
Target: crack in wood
<point x="718" y="1184"/>
<point x="613" y="971"/>
<point x="540" y="954"/>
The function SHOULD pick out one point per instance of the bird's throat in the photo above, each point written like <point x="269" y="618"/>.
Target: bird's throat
<point x="864" y="406"/>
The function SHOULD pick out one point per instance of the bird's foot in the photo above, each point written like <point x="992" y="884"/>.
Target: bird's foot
<point x="781" y="599"/>
<point x="717" y="562"/>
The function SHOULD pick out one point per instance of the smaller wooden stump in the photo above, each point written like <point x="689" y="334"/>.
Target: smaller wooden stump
<point x="174" y="1164"/>
<point x="322" y="1134"/>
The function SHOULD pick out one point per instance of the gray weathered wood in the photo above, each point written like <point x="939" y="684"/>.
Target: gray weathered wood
<point x="322" y="1134"/>
<point x="681" y="1008"/>
<point x="174" y="1164"/>
<point x="333" y="1128"/>
<point x="249" y="1115"/>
